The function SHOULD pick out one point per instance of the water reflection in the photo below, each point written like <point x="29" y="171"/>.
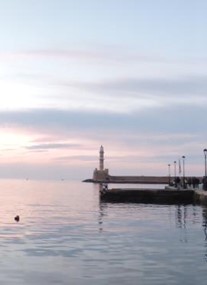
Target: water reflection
<point x="102" y="208"/>
<point x="181" y="219"/>
<point x="66" y="233"/>
<point x="102" y="213"/>
<point x="205" y="221"/>
<point x="181" y="216"/>
<point x="204" y="224"/>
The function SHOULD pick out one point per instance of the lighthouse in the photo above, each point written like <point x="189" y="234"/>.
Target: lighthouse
<point x="101" y="158"/>
<point x="101" y="174"/>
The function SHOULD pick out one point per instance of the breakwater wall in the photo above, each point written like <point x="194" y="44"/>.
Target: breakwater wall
<point x="131" y="179"/>
<point x="135" y="179"/>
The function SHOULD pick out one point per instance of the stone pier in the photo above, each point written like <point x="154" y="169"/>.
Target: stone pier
<point x="154" y="196"/>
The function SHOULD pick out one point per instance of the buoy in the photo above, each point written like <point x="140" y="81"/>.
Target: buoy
<point x="17" y="218"/>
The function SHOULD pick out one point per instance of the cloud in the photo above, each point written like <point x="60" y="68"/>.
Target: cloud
<point x="130" y="94"/>
<point x="133" y="142"/>
<point x="47" y="146"/>
<point x="103" y="53"/>
<point x="179" y="119"/>
<point x="83" y="158"/>
<point x="134" y="82"/>
<point x="178" y="88"/>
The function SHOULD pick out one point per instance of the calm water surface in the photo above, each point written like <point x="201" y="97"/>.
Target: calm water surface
<point x="66" y="236"/>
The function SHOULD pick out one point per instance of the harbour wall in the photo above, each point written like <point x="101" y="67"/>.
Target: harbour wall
<point x="135" y="179"/>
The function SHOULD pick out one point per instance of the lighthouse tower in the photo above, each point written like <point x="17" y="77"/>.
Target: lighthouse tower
<point x="101" y="174"/>
<point x="101" y="159"/>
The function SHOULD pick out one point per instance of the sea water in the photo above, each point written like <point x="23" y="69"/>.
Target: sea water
<point x="67" y="236"/>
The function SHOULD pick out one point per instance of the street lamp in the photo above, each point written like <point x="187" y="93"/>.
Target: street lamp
<point x="205" y="178"/>
<point x="205" y="154"/>
<point x="169" y="172"/>
<point x="183" y="157"/>
<point x="175" y="172"/>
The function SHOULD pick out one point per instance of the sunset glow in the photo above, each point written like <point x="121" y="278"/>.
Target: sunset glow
<point x="129" y="75"/>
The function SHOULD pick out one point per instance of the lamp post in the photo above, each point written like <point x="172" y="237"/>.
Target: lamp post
<point x="175" y="172"/>
<point x="169" y="172"/>
<point x="183" y="157"/>
<point x="205" y="177"/>
<point x="205" y="154"/>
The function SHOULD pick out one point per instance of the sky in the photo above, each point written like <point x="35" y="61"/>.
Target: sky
<point x="130" y="75"/>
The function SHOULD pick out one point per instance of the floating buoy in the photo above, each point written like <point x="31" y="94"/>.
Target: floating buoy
<point x="17" y="218"/>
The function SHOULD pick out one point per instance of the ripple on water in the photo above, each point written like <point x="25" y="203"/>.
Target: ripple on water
<point x="66" y="236"/>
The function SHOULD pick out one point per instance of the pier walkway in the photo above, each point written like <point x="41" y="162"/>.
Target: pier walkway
<point x="158" y="196"/>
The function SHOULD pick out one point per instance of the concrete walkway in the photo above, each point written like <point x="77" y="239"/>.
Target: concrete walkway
<point x="169" y="195"/>
<point x="200" y="196"/>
